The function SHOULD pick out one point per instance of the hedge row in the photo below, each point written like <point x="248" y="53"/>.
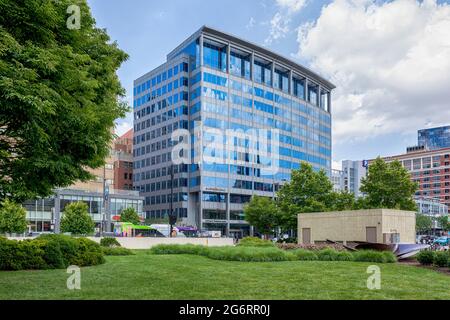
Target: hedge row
<point x="49" y="252"/>
<point x="266" y="254"/>
<point x="436" y="258"/>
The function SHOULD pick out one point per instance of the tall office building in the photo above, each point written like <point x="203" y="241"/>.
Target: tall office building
<point x="349" y="178"/>
<point x="434" y="138"/>
<point x="243" y="115"/>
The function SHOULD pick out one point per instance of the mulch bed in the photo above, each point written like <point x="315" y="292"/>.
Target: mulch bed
<point x="429" y="267"/>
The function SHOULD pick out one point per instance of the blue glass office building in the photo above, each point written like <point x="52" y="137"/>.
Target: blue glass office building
<point x="434" y="138"/>
<point x="214" y="80"/>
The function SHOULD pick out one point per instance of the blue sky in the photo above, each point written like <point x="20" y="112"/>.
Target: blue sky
<point x="372" y="115"/>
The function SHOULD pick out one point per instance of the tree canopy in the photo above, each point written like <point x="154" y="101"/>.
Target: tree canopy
<point x="388" y="185"/>
<point x="444" y="223"/>
<point x="423" y="223"/>
<point x="262" y="213"/>
<point x="76" y="219"/>
<point x="129" y="215"/>
<point x="12" y="218"/>
<point x="309" y="191"/>
<point x="59" y="96"/>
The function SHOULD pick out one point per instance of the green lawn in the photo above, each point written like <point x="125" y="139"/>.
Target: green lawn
<point x="146" y="276"/>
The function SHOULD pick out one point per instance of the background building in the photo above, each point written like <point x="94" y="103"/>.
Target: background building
<point x="431" y="207"/>
<point x="431" y="170"/>
<point x="123" y="161"/>
<point x="226" y="83"/>
<point x="43" y="214"/>
<point x="337" y="179"/>
<point x="434" y="138"/>
<point x="349" y="178"/>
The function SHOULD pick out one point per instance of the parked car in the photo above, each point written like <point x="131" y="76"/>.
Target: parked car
<point x="443" y="241"/>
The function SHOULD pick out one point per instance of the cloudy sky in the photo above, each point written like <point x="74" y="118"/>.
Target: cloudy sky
<point x="390" y="60"/>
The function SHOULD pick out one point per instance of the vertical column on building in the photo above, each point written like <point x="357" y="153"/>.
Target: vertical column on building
<point x="228" y="57"/>
<point x="200" y="194"/>
<point x="319" y="96"/>
<point x="57" y="213"/>
<point x="273" y="73"/>
<point x="291" y="87"/>
<point x="252" y="67"/>
<point x="227" y="209"/>
<point x="200" y="43"/>
<point x="306" y="89"/>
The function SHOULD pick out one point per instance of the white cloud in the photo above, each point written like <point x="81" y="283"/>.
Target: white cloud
<point x="279" y="27"/>
<point x="123" y="126"/>
<point x="279" y="24"/>
<point x="291" y="5"/>
<point x="336" y="165"/>
<point x="389" y="61"/>
<point x="251" y="23"/>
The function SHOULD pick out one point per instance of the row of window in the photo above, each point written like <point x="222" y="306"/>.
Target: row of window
<point x="158" y="79"/>
<point x="161" y="214"/>
<point x="215" y="58"/>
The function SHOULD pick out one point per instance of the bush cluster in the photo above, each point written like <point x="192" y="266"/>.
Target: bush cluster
<point x="109" y="242"/>
<point x="179" y="249"/>
<point x="425" y="257"/>
<point x="117" y="251"/>
<point x="311" y="247"/>
<point x="265" y="254"/>
<point x="436" y="258"/>
<point x="49" y="252"/>
<point x="255" y="242"/>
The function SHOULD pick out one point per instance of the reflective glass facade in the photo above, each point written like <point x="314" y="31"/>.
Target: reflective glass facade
<point x="41" y="212"/>
<point x="235" y="86"/>
<point x="435" y="138"/>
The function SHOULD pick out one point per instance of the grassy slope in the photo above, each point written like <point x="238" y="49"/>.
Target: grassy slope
<point x="146" y="276"/>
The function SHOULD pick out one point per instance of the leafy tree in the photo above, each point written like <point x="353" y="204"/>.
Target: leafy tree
<point x="12" y="218"/>
<point x="130" y="215"/>
<point x="342" y="201"/>
<point x="388" y="185"/>
<point x="58" y="96"/>
<point x="423" y="223"/>
<point x="262" y="213"/>
<point x="308" y="191"/>
<point x="443" y="223"/>
<point x="76" y="219"/>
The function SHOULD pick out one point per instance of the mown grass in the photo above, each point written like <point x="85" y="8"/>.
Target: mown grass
<point x="149" y="276"/>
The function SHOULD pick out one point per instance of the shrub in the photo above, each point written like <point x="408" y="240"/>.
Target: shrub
<point x="441" y="259"/>
<point x="67" y="245"/>
<point x="117" y="251"/>
<point x="314" y="247"/>
<point x="109" y="242"/>
<point x="374" y="256"/>
<point x="29" y="255"/>
<point x="389" y="257"/>
<point x="52" y="254"/>
<point x="48" y="252"/>
<point x="305" y="255"/>
<point x="255" y="242"/>
<point x="253" y="254"/>
<point x="425" y="257"/>
<point x="89" y="253"/>
<point x="178" y="249"/>
<point x="328" y="255"/>
<point x="15" y="255"/>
